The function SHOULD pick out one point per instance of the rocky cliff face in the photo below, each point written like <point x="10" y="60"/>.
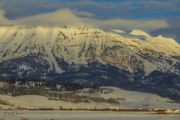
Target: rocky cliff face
<point x="89" y="55"/>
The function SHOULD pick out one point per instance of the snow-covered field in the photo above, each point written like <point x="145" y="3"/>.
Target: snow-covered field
<point x="85" y="115"/>
<point x="127" y="99"/>
<point x="133" y="99"/>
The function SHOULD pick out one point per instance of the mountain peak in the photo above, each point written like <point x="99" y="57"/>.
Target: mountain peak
<point x="139" y="33"/>
<point x="168" y="42"/>
<point x="87" y="54"/>
<point x="118" y="31"/>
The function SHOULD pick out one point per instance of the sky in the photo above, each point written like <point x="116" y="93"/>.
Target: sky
<point x="153" y="16"/>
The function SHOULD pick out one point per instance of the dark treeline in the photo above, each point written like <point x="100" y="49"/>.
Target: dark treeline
<point x="21" y="84"/>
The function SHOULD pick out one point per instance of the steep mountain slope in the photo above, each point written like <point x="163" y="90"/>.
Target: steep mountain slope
<point x="88" y="55"/>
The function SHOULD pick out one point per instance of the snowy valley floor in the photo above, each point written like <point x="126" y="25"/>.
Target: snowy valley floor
<point x="84" y="115"/>
<point x="127" y="101"/>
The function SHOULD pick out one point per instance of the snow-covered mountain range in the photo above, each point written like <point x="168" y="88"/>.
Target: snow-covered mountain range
<point x="88" y="55"/>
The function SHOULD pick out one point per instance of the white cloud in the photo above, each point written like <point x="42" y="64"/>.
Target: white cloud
<point x="82" y="14"/>
<point x="59" y="17"/>
<point x="66" y="16"/>
<point x="147" y="25"/>
<point x="3" y="20"/>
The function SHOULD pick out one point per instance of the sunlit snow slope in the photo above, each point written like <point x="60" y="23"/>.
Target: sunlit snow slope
<point x="111" y="56"/>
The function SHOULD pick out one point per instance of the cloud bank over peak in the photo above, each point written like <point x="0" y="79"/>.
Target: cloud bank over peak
<point x="3" y="20"/>
<point x="152" y="16"/>
<point x="60" y="17"/>
<point x="147" y="25"/>
<point x="66" y="16"/>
